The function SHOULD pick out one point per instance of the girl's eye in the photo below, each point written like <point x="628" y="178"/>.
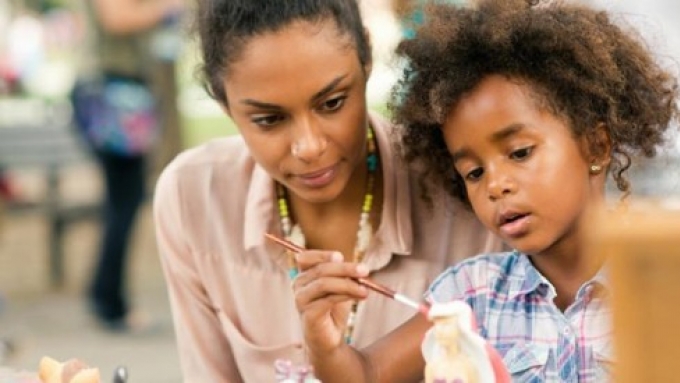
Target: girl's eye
<point x="333" y="104"/>
<point x="521" y="154"/>
<point x="474" y="175"/>
<point x="267" y="121"/>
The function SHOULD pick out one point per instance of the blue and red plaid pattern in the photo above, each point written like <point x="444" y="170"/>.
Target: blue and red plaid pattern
<point x="513" y="305"/>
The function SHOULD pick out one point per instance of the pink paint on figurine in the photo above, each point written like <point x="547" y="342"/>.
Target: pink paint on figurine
<point x="287" y="372"/>
<point x="455" y="353"/>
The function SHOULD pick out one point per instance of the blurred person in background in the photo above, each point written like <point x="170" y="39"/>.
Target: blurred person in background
<point x="409" y="13"/>
<point x="123" y="55"/>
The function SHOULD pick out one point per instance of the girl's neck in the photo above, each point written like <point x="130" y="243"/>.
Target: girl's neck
<point x="565" y="264"/>
<point x="567" y="269"/>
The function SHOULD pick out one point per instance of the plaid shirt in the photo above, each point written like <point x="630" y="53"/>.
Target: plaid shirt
<point x="513" y="305"/>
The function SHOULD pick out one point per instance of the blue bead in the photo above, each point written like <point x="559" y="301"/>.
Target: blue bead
<point x="372" y="161"/>
<point x="292" y="273"/>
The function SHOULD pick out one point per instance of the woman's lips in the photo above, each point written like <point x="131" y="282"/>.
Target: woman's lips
<point x="319" y="178"/>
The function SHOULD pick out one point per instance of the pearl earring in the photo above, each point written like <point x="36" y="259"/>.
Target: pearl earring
<point x="595" y="169"/>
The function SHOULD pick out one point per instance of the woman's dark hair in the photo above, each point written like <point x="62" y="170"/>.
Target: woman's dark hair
<point x="225" y="26"/>
<point x="578" y="63"/>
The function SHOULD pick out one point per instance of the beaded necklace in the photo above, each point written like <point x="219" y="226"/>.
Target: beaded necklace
<point x="294" y="234"/>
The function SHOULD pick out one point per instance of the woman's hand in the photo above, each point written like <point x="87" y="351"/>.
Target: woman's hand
<point x="324" y="291"/>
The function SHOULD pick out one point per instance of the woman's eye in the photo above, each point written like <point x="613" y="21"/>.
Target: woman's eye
<point x="267" y="121"/>
<point x="474" y="175"/>
<point x="522" y="153"/>
<point x="333" y="104"/>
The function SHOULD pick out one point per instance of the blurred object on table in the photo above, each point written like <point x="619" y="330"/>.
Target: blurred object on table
<point x="72" y="371"/>
<point x="643" y="254"/>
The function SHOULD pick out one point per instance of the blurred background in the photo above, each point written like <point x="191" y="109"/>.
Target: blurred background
<point x="51" y="189"/>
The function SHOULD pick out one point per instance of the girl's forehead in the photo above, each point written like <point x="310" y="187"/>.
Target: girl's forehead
<point x="493" y="95"/>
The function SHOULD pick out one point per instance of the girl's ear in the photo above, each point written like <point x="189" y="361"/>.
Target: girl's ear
<point x="599" y="146"/>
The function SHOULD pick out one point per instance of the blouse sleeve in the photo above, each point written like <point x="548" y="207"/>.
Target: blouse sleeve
<point x="204" y="352"/>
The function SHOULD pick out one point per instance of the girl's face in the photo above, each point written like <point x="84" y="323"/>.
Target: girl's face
<point x="298" y="98"/>
<point x="525" y="174"/>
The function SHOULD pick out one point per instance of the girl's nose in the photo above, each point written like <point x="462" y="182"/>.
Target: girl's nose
<point x="499" y="184"/>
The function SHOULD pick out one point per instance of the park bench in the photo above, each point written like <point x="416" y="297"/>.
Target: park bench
<point x="36" y="134"/>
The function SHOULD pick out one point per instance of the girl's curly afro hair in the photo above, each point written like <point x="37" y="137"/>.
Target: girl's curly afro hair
<point x="579" y="64"/>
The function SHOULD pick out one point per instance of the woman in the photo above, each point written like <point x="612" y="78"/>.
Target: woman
<point x="310" y="164"/>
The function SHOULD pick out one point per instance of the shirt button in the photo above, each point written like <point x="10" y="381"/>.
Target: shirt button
<point x="567" y="331"/>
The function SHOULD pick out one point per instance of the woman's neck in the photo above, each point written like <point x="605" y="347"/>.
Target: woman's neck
<point x="333" y="225"/>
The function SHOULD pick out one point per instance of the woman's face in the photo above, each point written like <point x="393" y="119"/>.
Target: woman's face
<point x="298" y="99"/>
<point x="526" y="175"/>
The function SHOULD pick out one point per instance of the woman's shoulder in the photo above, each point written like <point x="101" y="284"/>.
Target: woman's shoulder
<point x="215" y="152"/>
<point x="222" y="162"/>
<point x="227" y="154"/>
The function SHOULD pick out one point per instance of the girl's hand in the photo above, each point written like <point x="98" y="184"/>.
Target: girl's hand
<point x="324" y="291"/>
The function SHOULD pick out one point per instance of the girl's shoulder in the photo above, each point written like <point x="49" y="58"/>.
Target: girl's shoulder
<point x="477" y="275"/>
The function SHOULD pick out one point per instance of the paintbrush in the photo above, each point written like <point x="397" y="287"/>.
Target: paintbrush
<point x="384" y="290"/>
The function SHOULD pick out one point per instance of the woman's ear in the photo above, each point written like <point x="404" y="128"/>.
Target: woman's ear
<point x="368" y="66"/>
<point x="225" y="109"/>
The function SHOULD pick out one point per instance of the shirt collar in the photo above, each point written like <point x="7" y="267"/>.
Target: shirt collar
<point x="598" y="284"/>
<point x="395" y="234"/>
<point x="260" y="217"/>
<point x="524" y="278"/>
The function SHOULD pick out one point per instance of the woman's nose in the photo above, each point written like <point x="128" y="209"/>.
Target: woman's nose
<point x="309" y="143"/>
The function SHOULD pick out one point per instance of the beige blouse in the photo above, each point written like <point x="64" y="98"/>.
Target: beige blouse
<point x="232" y="305"/>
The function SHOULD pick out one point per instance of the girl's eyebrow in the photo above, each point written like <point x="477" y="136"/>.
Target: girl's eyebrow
<point x="506" y="132"/>
<point x="318" y="95"/>
<point x="498" y="136"/>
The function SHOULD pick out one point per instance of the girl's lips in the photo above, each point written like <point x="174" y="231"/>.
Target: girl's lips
<point x="516" y="227"/>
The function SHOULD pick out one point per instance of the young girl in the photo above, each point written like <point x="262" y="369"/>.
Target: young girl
<point x="521" y="112"/>
<point x="310" y="163"/>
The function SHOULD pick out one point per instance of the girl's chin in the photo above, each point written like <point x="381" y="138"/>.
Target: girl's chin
<point x="525" y="247"/>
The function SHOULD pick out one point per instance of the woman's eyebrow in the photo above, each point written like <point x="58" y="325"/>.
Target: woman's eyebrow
<point x="260" y="104"/>
<point x="328" y="88"/>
